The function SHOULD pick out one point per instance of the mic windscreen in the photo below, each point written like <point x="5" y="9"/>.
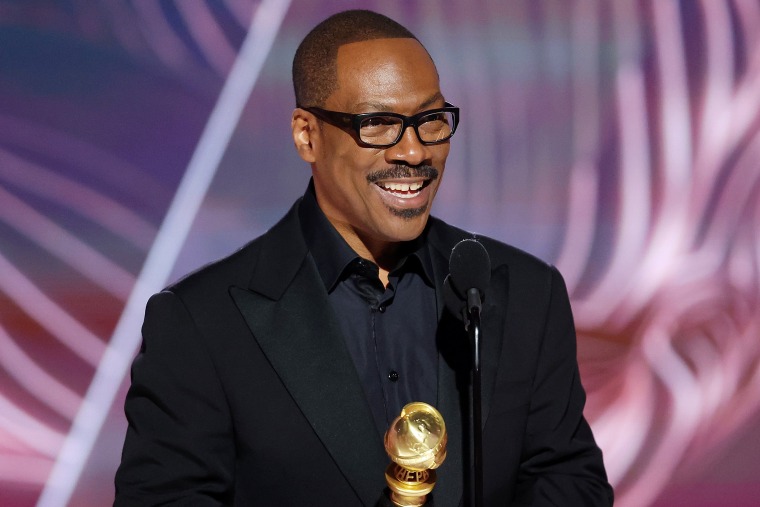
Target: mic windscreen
<point x="470" y="266"/>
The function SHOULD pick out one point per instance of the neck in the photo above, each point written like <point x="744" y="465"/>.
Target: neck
<point x="383" y="253"/>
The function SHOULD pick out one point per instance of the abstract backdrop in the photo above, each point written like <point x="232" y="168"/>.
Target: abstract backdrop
<point x="618" y="139"/>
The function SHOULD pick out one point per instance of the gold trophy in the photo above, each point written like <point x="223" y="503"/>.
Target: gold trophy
<point x="416" y="444"/>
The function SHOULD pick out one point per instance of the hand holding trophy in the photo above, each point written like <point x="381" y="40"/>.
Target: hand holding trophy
<point x="416" y="443"/>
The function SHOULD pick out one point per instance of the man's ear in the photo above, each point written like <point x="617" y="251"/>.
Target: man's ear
<point x="302" y="125"/>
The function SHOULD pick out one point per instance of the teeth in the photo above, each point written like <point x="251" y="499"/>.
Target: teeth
<point x="402" y="187"/>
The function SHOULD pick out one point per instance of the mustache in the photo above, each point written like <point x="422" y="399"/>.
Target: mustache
<point x="403" y="171"/>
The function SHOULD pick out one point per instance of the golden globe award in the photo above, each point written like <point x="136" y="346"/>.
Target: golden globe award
<point x="416" y="444"/>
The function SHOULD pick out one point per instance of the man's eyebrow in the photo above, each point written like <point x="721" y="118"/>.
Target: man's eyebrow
<point x="380" y="107"/>
<point x="374" y="106"/>
<point x="434" y="98"/>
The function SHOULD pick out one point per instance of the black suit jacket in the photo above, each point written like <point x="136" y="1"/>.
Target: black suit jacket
<point x="244" y="393"/>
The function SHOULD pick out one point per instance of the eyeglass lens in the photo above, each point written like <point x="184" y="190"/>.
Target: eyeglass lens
<point x="379" y="130"/>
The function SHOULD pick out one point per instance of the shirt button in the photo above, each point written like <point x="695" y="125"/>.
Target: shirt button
<point x="393" y="375"/>
<point x="381" y="309"/>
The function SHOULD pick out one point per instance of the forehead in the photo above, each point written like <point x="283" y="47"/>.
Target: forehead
<point x="397" y="73"/>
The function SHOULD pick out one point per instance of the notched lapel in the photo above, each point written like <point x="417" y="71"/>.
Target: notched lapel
<point x="302" y="340"/>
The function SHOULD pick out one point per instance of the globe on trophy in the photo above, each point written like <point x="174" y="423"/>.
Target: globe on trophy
<point x="416" y="443"/>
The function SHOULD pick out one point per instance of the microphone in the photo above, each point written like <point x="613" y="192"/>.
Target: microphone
<point x="470" y="272"/>
<point x="463" y="292"/>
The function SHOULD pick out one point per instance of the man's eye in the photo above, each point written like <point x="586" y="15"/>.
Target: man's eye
<point x="379" y="121"/>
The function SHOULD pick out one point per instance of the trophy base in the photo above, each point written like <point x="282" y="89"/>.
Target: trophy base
<point x="409" y="488"/>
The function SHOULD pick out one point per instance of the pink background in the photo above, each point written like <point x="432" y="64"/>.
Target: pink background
<point x="619" y="140"/>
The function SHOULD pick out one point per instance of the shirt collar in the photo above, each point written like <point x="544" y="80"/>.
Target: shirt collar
<point x="333" y="255"/>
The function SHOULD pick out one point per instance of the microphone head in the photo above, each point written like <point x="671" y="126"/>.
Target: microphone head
<point x="470" y="266"/>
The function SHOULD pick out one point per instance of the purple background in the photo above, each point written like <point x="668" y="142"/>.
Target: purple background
<point x="618" y="140"/>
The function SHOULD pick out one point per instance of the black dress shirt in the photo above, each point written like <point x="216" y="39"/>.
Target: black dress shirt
<point x="389" y="331"/>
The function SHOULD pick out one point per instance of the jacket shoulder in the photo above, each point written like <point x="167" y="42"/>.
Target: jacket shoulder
<point x="445" y="236"/>
<point x="238" y="267"/>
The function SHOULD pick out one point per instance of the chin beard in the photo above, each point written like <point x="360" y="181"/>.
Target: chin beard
<point x="408" y="213"/>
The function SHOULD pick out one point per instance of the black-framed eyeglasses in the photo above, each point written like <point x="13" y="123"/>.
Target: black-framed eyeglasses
<point x="383" y="130"/>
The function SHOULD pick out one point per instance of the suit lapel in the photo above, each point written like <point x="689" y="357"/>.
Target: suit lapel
<point x="451" y="387"/>
<point x="290" y="317"/>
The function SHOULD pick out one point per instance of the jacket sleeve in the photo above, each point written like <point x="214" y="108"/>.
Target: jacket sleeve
<point x="178" y="448"/>
<point x="561" y="464"/>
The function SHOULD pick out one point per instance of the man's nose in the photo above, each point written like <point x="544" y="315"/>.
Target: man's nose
<point x="409" y="149"/>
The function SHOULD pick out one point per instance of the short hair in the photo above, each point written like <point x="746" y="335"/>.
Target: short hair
<point x="315" y="73"/>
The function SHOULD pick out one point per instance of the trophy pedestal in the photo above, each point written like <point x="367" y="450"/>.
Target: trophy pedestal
<point x="409" y="488"/>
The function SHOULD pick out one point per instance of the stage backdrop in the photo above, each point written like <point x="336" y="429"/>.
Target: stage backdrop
<point x="618" y="139"/>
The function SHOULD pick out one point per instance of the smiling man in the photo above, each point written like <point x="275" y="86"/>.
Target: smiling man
<point x="375" y="177"/>
<point x="269" y="377"/>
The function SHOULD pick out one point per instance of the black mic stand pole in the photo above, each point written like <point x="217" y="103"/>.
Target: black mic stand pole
<point x="472" y="320"/>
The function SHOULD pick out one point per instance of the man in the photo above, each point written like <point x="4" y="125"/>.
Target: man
<point x="269" y="377"/>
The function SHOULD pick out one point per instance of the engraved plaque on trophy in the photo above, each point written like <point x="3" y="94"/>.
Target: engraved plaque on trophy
<point x="416" y="444"/>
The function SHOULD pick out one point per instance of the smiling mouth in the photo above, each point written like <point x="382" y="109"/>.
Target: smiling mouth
<point x="404" y="190"/>
<point x="403" y="181"/>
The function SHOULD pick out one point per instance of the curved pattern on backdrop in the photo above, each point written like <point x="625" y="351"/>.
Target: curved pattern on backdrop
<point x="616" y="139"/>
<point x="678" y="292"/>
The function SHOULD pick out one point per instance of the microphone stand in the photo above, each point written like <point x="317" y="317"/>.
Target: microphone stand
<point x="472" y="324"/>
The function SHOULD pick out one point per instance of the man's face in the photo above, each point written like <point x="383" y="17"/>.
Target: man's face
<point x="378" y="196"/>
